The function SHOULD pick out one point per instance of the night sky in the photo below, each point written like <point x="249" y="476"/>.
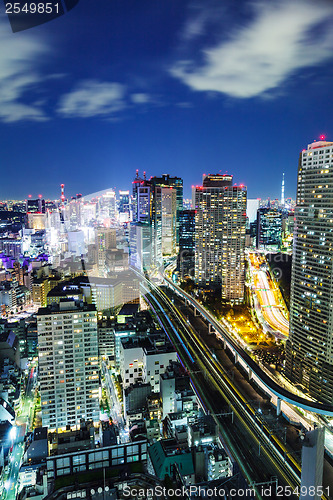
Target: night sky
<point x="166" y="86"/>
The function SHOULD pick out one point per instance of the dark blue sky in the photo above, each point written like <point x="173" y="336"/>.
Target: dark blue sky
<point x="169" y="86"/>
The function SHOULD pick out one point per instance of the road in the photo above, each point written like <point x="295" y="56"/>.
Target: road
<point x="268" y="295"/>
<point x="271" y="310"/>
<point x="115" y="407"/>
<point x="23" y="422"/>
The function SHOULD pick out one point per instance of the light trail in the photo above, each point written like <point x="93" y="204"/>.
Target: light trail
<point x="266" y="293"/>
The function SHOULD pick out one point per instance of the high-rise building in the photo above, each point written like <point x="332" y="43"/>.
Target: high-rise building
<point x="155" y="205"/>
<point x="106" y="239"/>
<point x="187" y="230"/>
<point x="177" y="184"/>
<point x="164" y="218"/>
<point x="141" y="253"/>
<point x="124" y="207"/>
<point x="309" y="356"/>
<point x="36" y="206"/>
<point x="220" y="225"/>
<point x="186" y="242"/>
<point x="142" y="238"/>
<point x="142" y="199"/>
<point x="269" y="228"/>
<point x="68" y="364"/>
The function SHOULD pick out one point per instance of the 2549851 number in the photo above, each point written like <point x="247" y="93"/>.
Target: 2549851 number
<point x="32" y="8"/>
<point x="312" y="491"/>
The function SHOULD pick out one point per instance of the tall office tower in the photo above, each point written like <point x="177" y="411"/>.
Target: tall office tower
<point x="220" y="225"/>
<point x="143" y="243"/>
<point x="142" y="199"/>
<point x="141" y="253"/>
<point x="177" y="184"/>
<point x="106" y="205"/>
<point x="187" y="230"/>
<point x="124" y="208"/>
<point x="68" y="364"/>
<point x="164" y="220"/>
<point x="106" y="239"/>
<point x="309" y="349"/>
<point x="186" y="242"/>
<point x="74" y="212"/>
<point x="269" y="229"/>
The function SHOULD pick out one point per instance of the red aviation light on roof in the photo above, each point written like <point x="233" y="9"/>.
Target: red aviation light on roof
<point x="322" y="137"/>
<point x="40" y="196"/>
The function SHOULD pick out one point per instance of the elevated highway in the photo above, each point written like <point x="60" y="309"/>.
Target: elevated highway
<point x="251" y="366"/>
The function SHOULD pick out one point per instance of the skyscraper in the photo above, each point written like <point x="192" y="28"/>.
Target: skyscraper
<point x="145" y="235"/>
<point x="155" y="204"/>
<point x="177" y="184"/>
<point x="68" y="364"/>
<point x="106" y="239"/>
<point x="186" y="243"/>
<point x="309" y="359"/>
<point x="269" y="228"/>
<point x="165" y="215"/>
<point x="124" y="208"/>
<point x="142" y="199"/>
<point x="220" y="225"/>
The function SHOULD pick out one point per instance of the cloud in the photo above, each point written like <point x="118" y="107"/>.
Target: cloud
<point x="18" y="75"/>
<point x="195" y="25"/>
<point x="140" y="98"/>
<point x="282" y="38"/>
<point x="93" y="98"/>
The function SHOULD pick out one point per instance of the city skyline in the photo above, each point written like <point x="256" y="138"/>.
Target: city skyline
<point x="164" y="89"/>
<point x="166" y="249"/>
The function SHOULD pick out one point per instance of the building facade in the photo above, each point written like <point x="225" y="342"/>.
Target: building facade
<point x="309" y="349"/>
<point x="68" y="364"/>
<point x="177" y="184"/>
<point x="220" y="225"/>
<point x="269" y="229"/>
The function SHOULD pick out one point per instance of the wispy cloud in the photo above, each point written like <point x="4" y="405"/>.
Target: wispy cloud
<point x="140" y="98"/>
<point x="93" y="98"/>
<point x="19" y="77"/>
<point x="195" y="25"/>
<point x="281" y="38"/>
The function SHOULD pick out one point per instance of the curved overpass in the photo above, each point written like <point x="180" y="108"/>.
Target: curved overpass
<point x="251" y="365"/>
